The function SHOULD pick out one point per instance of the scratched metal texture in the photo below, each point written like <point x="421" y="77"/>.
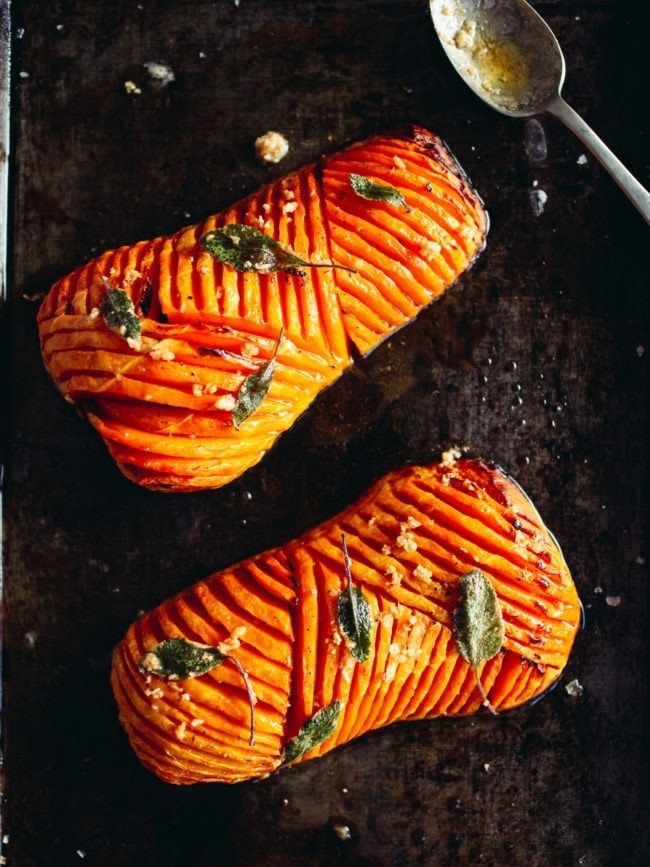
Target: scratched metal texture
<point x="537" y="359"/>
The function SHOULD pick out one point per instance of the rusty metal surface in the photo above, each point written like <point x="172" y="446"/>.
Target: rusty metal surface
<point x="537" y="359"/>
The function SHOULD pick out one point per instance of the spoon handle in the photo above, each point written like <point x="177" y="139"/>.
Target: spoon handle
<point x="637" y="194"/>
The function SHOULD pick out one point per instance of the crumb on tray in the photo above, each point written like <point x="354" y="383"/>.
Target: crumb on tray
<point x="271" y="147"/>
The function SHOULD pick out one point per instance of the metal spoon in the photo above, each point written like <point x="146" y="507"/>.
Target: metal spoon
<point x="509" y="56"/>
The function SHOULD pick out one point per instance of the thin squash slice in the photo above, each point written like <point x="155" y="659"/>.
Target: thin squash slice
<point x="353" y="626"/>
<point x="191" y="354"/>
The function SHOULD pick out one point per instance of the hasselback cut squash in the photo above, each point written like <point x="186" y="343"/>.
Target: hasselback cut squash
<point x="191" y="354"/>
<point x="363" y="621"/>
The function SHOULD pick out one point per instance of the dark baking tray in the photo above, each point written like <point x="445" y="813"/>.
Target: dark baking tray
<point x="537" y="359"/>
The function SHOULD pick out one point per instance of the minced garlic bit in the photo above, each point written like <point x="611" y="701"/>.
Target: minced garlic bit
<point x="180" y="731"/>
<point x="226" y="402"/>
<point x="271" y="147"/>
<point x="131" y="87"/>
<point x="399" y="163"/>
<point x="394" y="575"/>
<point x="233" y="641"/>
<point x="404" y="654"/>
<point x="449" y="456"/>
<point x="162" y="351"/>
<point x="130" y="276"/>
<point x="422" y="572"/>
<point x="406" y="540"/>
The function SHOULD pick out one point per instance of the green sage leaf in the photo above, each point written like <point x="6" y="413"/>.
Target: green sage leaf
<point x="353" y="613"/>
<point x="374" y="192"/>
<point x="316" y="730"/>
<point x="477" y="619"/>
<point x="245" y="248"/>
<point x="180" y="659"/>
<point x="253" y="390"/>
<point x="119" y="315"/>
<point x="478" y="623"/>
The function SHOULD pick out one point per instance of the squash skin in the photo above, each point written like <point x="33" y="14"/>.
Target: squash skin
<point x="164" y="410"/>
<point x="409" y="540"/>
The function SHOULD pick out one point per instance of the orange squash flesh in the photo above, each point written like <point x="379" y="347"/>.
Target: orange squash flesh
<point x="409" y="539"/>
<point x="164" y="409"/>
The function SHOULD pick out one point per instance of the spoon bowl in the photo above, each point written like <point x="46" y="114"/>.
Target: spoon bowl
<point x="507" y="54"/>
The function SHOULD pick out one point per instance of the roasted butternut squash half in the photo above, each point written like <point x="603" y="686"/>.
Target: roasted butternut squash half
<point x="440" y="592"/>
<point x="191" y="354"/>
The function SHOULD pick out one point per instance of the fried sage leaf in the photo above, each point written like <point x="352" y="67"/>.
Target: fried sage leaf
<point x="353" y="613"/>
<point x="316" y="730"/>
<point x="245" y="248"/>
<point x="374" y="192"/>
<point x="253" y="390"/>
<point x="478" y="623"/>
<point x="180" y="659"/>
<point x="119" y="315"/>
